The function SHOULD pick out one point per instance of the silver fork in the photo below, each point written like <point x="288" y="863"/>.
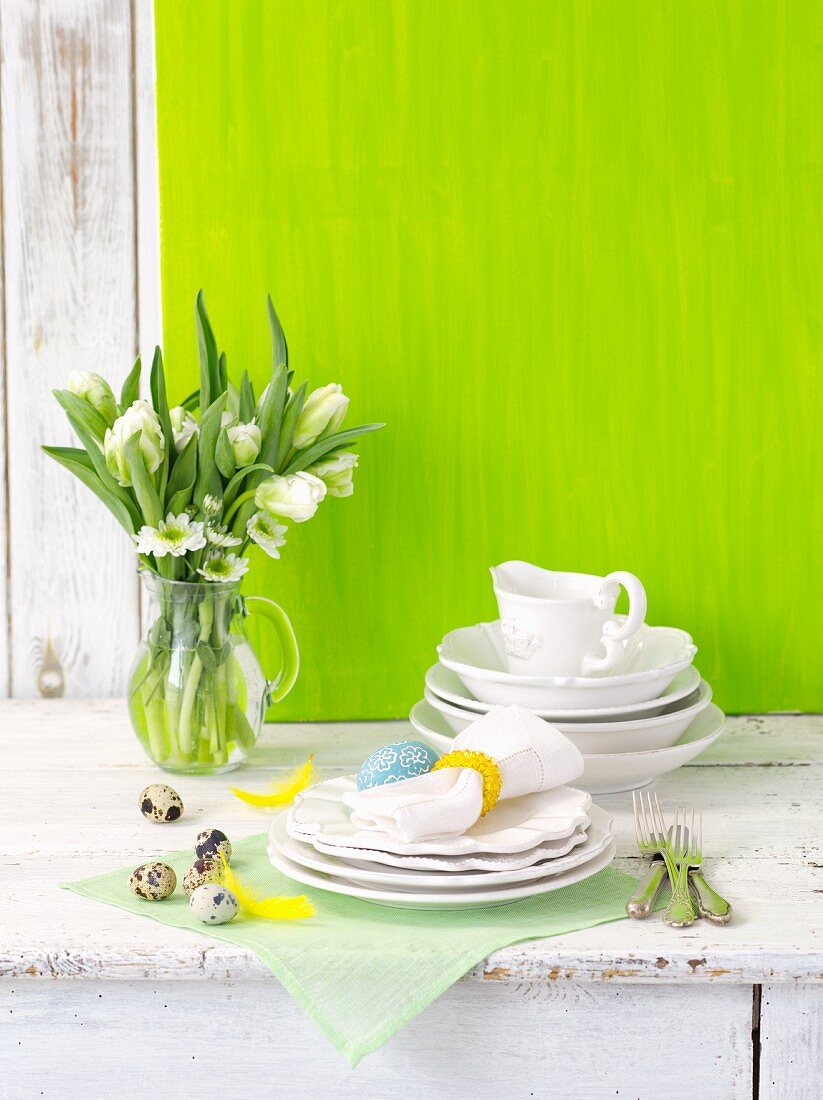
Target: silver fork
<point x="680" y="912"/>
<point x="710" y="905"/>
<point x="641" y="903"/>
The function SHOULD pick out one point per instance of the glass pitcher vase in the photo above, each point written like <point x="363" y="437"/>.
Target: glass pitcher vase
<point x="197" y="693"/>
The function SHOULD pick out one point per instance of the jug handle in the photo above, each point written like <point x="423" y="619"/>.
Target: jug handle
<point x="280" y="687"/>
<point x="615" y="633"/>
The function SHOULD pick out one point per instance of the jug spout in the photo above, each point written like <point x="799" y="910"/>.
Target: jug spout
<point x="520" y="578"/>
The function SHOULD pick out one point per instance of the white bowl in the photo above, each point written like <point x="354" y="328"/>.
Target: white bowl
<point x="604" y="773"/>
<point x="635" y="735"/>
<point x="653" y="658"/>
<point x="448" y="686"/>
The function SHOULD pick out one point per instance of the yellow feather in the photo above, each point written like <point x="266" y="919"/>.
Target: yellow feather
<point x="284" y="790"/>
<point x="270" y="908"/>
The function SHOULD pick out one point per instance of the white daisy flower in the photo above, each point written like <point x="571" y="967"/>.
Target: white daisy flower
<point x="224" y="567"/>
<point x="268" y="535"/>
<point x="211" y="505"/>
<point x="221" y="536"/>
<point x="175" y="535"/>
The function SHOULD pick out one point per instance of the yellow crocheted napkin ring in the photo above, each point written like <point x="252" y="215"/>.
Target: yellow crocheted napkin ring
<point x="487" y="767"/>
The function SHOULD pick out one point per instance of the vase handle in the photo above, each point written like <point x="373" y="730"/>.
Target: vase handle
<point x="280" y="687"/>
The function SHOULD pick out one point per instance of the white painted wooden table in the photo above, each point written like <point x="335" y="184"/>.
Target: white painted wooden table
<point x="94" y="1001"/>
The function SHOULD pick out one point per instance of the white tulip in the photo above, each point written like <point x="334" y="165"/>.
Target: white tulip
<point x="183" y="426"/>
<point x="293" y="496"/>
<point x="321" y="415"/>
<point x="336" y="473"/>
<point x="96" y="390"/>
<point x="141" y="418"/>
<point x="245" y="442"/>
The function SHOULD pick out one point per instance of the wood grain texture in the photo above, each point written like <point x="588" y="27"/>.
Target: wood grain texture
<point x="69" y="249"/>
<point x="72" y="815"/>
<point x="571" y="253"/>
<point x="559" y="1043"/>
<point x="791" y="1042"/>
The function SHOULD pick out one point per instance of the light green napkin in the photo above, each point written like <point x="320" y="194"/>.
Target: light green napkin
<point x="362" y="971"/>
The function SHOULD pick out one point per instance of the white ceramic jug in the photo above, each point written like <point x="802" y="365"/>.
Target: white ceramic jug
<point x="562" y="624"/>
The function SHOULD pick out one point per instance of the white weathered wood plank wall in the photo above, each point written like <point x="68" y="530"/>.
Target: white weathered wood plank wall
<point x="80" y="290"/>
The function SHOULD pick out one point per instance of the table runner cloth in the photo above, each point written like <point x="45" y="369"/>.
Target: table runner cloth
<point x="362" y="971"/>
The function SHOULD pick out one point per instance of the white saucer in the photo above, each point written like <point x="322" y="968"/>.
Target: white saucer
<point x="634" y="735"/>
<point x="604" y="773"/>
<point x="371" y="874"/>
<point x="448" y="686"/>
<point x="443" y="900"/>
<point x="656" y="656"/>
<point x="514" y="824"/>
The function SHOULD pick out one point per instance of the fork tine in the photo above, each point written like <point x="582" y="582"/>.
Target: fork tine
<point x="660" y="821"/>
<point x="692" y="848"/>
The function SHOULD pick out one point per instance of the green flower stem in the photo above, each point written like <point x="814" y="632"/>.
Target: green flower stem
<point x="241" y="500"/>
<point x="189" y="692"/>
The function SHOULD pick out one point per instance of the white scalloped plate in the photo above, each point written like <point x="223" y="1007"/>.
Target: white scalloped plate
<point x="443" y="900"/>
<point x="447" y="685"/>
<point x="514" y="825"/>
<point x="599" y="835"/>
<point x="482" y="861"/>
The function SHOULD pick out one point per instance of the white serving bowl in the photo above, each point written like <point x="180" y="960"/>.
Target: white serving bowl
<point x="448" y="686"/>
<point x="604" y="773"/>
<point x="654" y="656"/>
<point x="634" y="735"/>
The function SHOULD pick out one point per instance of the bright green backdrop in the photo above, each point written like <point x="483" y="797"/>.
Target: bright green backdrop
<point x="571" y="253"/>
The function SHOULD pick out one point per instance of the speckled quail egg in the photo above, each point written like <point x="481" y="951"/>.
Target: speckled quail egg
<point x="210" y="843"/>
<point x="153" y="881"/>
<point x="202" y="870"/>
<point x="213" y="904"/>
<point x="161" y="803"/>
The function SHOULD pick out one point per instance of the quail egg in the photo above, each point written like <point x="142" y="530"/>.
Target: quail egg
<point x="210" y="843"/>
<point x="202" y="870"/>
<point x="213" y="904"/>
<point x="153" y="881"/>
<point x="159" y="802"/>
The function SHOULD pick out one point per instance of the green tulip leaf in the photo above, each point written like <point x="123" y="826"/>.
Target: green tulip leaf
<point x="143" y="485"/>
<point x="224" y="455"/>
<point x="208" y="476"/>
<point x="303" y="459"/>
<point x="270" y="420"/>
<point x="293" y="410"/>
<point x="246" y="410"/>
<point x="131" y="387"/>
<point x="279" y="348"/>
<point x="78" y="462"/>
<point x="210" y="388"/>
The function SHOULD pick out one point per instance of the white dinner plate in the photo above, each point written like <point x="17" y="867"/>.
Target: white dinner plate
<point x="637" y="735"/>
<point x="603" y="773"/>
<point x="448" y="686"/>
<point x="479" y="861"/>
<point x="442" y="900"/>
<point x="656" y="656"/>
<point x="599" y="835"/>
<point x="514" y="825"/>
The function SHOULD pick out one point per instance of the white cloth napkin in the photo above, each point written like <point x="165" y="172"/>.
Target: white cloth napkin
<point x="532" y="756"/>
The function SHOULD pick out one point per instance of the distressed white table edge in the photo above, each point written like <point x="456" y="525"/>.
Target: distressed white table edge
<point x="71" y="739"/>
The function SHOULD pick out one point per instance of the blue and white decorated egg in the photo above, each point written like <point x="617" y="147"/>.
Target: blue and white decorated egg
<point x="399" y="760"/>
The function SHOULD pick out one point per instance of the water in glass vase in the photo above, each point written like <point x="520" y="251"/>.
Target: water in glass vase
<point x="197" y="694"/>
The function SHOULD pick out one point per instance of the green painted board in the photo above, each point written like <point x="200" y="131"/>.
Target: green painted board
<point x="571" y="253"/>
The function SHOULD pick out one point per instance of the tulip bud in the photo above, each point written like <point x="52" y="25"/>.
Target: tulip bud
<point x="336" y="473"/>
<point x="96" y="390"/>
<point x="245" y="442"/>
<point x="141" y="418"/>
<point x="293" y="496"/>
<point x="183" y="426"/>
<point x="321" y="415"/>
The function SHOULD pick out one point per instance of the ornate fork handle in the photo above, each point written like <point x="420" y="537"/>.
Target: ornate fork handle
<point x="680" y="911"/>
<point x="710" y="905"/>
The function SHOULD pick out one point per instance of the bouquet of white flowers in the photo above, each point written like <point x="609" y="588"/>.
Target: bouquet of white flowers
<point x="194" y="485"/>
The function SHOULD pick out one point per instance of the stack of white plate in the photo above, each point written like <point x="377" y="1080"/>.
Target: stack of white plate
<point x="524" y="846"/>
<point x="652" y="715"/>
